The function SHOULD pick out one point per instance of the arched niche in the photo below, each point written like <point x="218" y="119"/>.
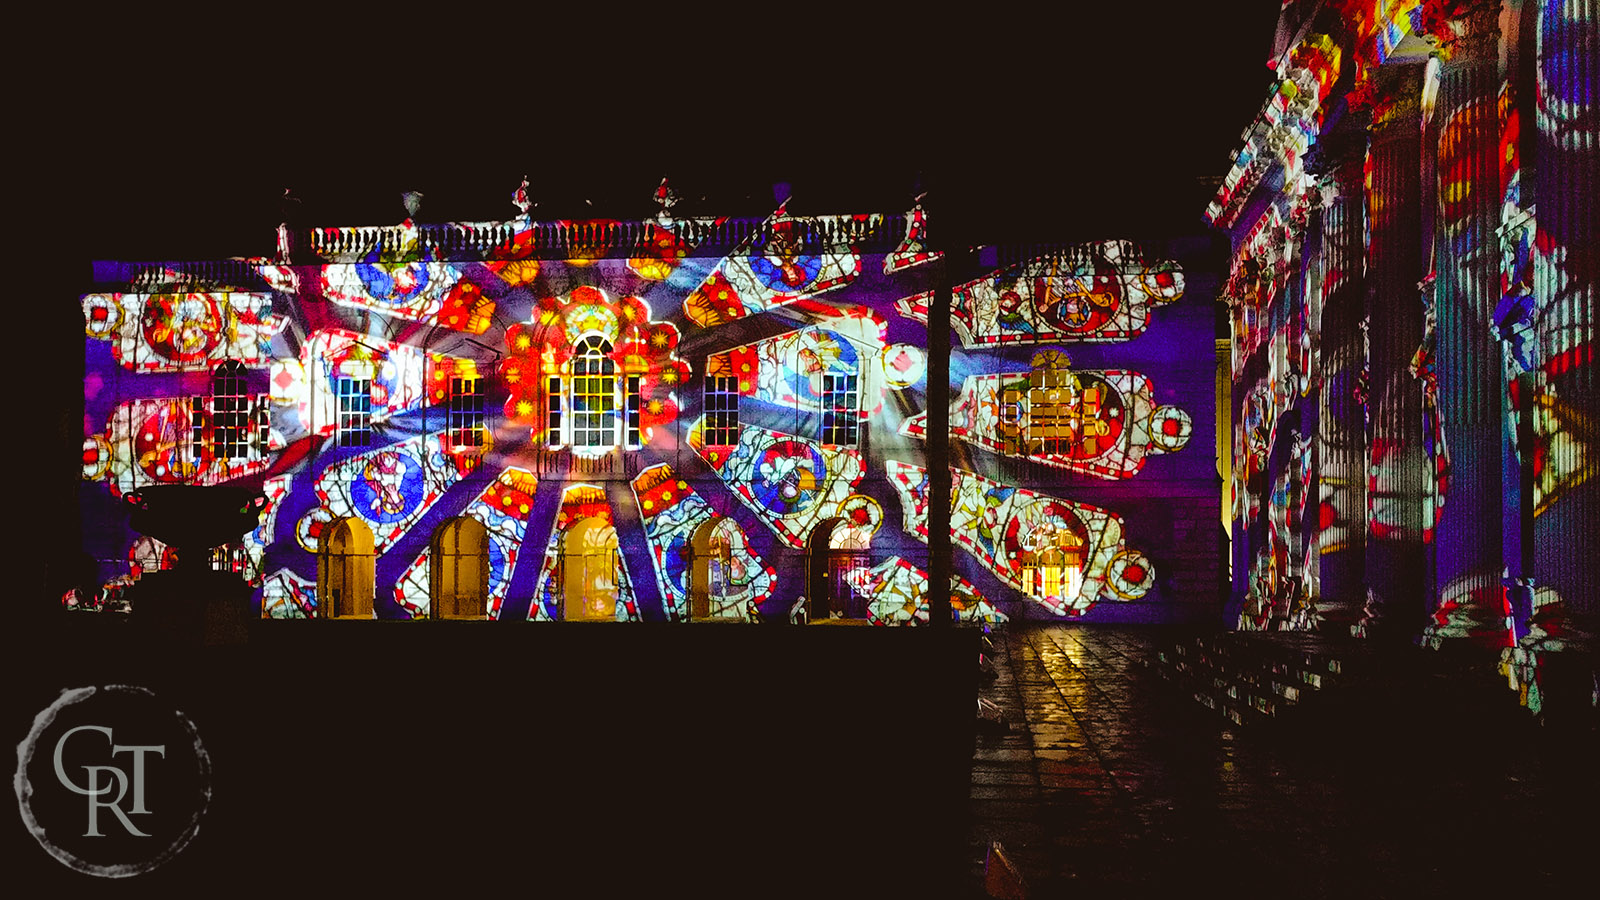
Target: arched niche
<point x="715" y="545"/>
<point x="345" y="571"/>
<point x="589" y="571"/>
<point x="458" y="573"/>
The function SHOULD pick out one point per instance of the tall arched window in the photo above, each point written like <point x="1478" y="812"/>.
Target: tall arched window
<point x="599" y="415"/>
<point x="594" y="394"/>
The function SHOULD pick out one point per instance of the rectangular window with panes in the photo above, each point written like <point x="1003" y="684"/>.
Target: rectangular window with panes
<point x="722" y="411"/>
<point x="466" y="413"/>
<point x="841" y="407"/>
<point x="354" y="397"/>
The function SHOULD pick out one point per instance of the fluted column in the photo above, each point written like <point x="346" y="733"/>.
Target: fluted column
<point x="1398" y="473"/>
<point x="1341" y="498"/>
<point x="1468" y="361"/>
<point x="1566" y="512"/>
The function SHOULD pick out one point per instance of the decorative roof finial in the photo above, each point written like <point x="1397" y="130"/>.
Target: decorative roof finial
<point x="519" y="197"/>
<point x="665" y="197"/>
<point x="412" y="201"/>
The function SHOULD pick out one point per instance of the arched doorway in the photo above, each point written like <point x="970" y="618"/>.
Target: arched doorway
<point x="458" y="576"/>
<point x="714" y="588"/>
<point x="836" y="549"/>
<point x="589" y="564"/>
<point x="345" y="571"/>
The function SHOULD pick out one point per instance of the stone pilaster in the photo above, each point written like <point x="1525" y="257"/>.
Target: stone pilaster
<point x="1341" y="499"/>
<point x="1468" y="363"/>
<point x="1566" y="511"/>
<point x="1398" y="476"/>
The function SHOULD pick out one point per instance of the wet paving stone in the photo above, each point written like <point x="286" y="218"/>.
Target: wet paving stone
<point x="1114" y="783"/>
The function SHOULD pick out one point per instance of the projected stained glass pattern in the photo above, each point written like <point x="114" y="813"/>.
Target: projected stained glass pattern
<point x="791" y="257"/>
<point x="390" y="489"/>
<point x="1094" y="293"/>
<point x="896" y="592"/>
<point x="790" y="483"/>
<point x="583" y="576"/>
<point x="736" y="580"/>
<point x="1099" y="422"/>
<point x="592" y="370"/>
<point x="1062" y="554"/>
<point x="503" y="508"/>
<point x="184" y="331"/>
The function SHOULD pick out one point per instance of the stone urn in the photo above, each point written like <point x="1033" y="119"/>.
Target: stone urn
<point x="191" y="603"/>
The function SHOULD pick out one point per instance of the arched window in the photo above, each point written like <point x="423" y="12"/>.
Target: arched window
<point x="600" y="416"/>
<point x="594" y="394"/>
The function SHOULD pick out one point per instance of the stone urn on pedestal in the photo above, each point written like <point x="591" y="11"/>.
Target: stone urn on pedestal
<point x="191" y="603"/>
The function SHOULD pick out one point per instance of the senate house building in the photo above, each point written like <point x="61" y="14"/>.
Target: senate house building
<point x="672" y="419"/>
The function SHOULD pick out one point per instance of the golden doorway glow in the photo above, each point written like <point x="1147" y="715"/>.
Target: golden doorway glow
<point x="459" y="573"/>
<point x="345" y="572"/>
<point x="589" y="561"/>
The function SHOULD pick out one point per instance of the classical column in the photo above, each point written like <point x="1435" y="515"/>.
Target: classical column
<point x="1468" y="362"/>
<point x="1398" y="477"/>
<point x="1341" y="498"/>
<point x="1566" y="511"/>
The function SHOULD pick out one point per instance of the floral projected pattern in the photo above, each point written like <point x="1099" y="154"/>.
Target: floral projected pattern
<point x="1099" y="292"/>
<point x="643" y="367"/>
<point x="722" y="404"/>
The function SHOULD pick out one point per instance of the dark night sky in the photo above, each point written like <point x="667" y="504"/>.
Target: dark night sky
<point x="1046" y="125"/>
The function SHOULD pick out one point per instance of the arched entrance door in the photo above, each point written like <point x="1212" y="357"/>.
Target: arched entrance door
<point x="459" y="571"/>
<point x="835" y="550"/>
<point x="589" y="563"/>
<point x="345" y="571"/>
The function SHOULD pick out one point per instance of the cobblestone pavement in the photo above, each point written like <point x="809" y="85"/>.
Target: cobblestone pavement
<point x="1110" y="782"/>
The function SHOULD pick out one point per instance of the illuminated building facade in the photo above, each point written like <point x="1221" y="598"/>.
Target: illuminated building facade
<point x="1412" y="297"/>
<point x="663" y="420"/>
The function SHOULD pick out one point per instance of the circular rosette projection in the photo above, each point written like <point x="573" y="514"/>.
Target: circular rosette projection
<point x="102" y="316"/>
<point x="861" y="514"/>
<point x="788" y="476"/>
<point x="184" y="328"/>
<point x="1035" y="527"/>
<point x="309" y="530"/>
<point x="96" y="457"/>
<point x="903" y="365"/>
<point x="388" y="488"/>
<point x="1130" y="575"/>
<point x="1163" y="282"/>
<point x="1170" y="428"/>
